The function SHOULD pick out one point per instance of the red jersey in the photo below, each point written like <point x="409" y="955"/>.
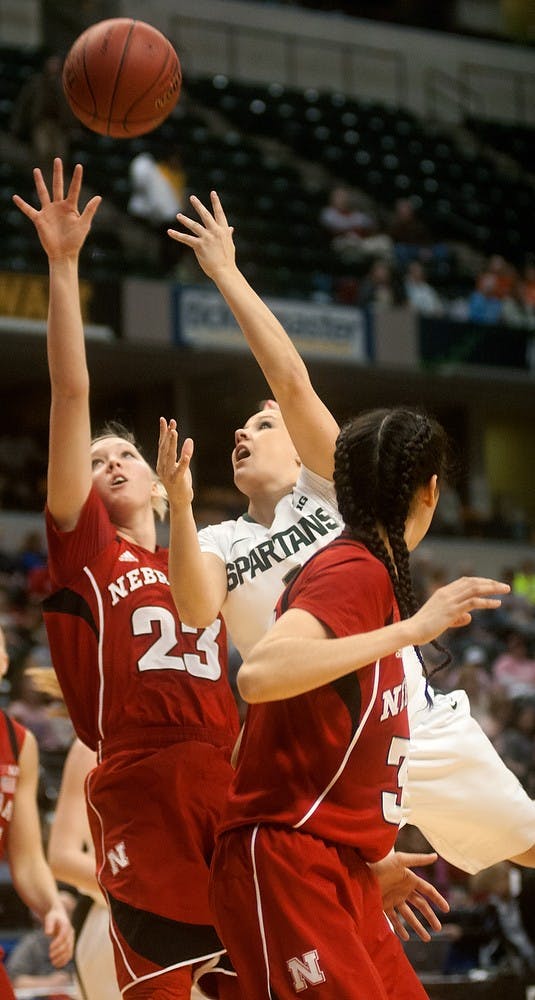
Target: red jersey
<point x="331" y="761"/>
<point x="11" y="739"/>
<point x="130" y="671"/>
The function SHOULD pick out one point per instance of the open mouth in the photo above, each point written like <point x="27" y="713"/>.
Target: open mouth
<point x="118" y="480"/>
<point x="242" y="452"/>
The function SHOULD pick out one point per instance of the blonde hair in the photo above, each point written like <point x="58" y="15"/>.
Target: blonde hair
<point x="114" y="428"/>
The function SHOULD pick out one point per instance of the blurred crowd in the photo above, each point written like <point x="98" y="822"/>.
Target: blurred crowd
<point x="386" y="262"/>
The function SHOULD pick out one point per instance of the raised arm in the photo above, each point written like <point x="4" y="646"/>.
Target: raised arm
<point x="312" y="427"/>
<point x="70" y="851"/>
<point x="198" y="580"/>
<point x="32" y="878"/>
<point x="62" y="230"/>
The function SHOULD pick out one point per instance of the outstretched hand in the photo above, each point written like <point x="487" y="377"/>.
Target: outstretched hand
<point x="174" y="472"/>
<point x="403" y="892"/>
<point x="210" y="239"/>
<point x="61" y="227"/>
<point x="451" y="606"/>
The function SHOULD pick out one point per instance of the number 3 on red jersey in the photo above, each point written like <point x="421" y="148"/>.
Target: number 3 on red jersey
<point x="397" y="757"/>
<point x="160" y="622"/>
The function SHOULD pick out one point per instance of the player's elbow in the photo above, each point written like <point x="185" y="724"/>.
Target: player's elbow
<point x="254" y="683"/>
<point x="195" y="613"/>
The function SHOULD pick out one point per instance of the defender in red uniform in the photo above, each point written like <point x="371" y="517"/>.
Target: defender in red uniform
<point x="316" y="796"/>
<point x="20" y="837"/>
<point x="150" y="695"/>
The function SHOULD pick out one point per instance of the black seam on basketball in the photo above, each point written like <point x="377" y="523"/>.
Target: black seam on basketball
<point x="170" y="53"/>
<point x="88" y="82"/>
<point x="117" y="75"/>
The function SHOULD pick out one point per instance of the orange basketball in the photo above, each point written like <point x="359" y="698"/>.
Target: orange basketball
<point x="122" y="77"/>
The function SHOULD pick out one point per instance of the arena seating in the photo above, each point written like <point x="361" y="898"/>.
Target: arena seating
<point x="462" y="192"/>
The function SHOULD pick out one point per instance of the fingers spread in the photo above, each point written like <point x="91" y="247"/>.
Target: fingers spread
<point x="25" y="208"/>
<point x="41" y="188"/>
<point x="76" y="183"/>
<point x="57" y="180"/>
<point x="217" y="207"/>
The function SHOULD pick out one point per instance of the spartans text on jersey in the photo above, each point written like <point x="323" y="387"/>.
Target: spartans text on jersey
<point x="281" y="545"/>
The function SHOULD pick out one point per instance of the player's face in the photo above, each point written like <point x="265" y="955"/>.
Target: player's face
<point x="264" y="458"/>
<point x="121" y="475"/>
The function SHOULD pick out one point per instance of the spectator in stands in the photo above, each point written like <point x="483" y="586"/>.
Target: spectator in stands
<point x="32" y="553"/>
<point x="515" y="311"/>
<point x="486" y="927"/>
<point x="423" y="298"/>
<point x="497" y="278"/>
<point x="524" y="581"/>
<point x="514" y="670"/>
<point x="28" y="964"/>
<point x="35" y="709"/>
<point x="158" y="194"/>
<point x="42" y="115"/>
<point x="411" y="236"/>
<point x="527" y="287"/>
<point x="516" y="743"/>
<point x="380" y="287"/>
<point x="484" y="306"/>
<point x="353" y="232"/>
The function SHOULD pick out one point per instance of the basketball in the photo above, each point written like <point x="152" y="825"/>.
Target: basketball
<point x="122" y="77"/>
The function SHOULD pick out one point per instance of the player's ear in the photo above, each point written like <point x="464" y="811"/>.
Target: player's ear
<point x="430" y="492"/>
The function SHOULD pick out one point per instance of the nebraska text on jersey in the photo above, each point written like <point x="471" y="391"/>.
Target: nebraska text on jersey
<point x="282" y="544"/>
<point x="141" y="576"/>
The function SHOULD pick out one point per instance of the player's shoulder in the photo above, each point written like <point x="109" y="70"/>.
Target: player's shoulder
<point x="312" y="488"/>
<point x="346" y="551"/>
<point x="230" y="532"/>
<point x="347" y="560"/>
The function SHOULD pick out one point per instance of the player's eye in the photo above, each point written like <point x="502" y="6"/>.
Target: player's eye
<point x="264" y="423"/>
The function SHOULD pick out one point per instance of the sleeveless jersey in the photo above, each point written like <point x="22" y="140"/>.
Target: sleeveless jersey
<point x="260" y="560"/>
<point x="331" y="762"/>
<point x="11" y="739"/>
<point x="127" y="666"/>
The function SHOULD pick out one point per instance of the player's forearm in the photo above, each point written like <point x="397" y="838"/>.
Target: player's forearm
<point x="287" y="666"/>
<point x="65" y="340"/>
<point x="189" y="579"/>
<point x="76" y="868"/>
<point x="281" y="364"/>
<point x="34" y="883"/>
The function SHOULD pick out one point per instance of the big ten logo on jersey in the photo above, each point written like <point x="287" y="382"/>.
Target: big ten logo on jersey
<point x="118" y="858"/>
<point x="305" y="971"/>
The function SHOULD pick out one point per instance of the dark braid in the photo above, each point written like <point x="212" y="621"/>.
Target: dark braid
<point x="382" y="458"/>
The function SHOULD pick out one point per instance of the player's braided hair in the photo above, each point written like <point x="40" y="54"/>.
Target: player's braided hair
<point x="382" y="457"/>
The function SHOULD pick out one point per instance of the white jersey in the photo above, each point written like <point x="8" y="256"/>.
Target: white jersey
<point x="469" y="806"/>
<point x="260" y="560"/>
